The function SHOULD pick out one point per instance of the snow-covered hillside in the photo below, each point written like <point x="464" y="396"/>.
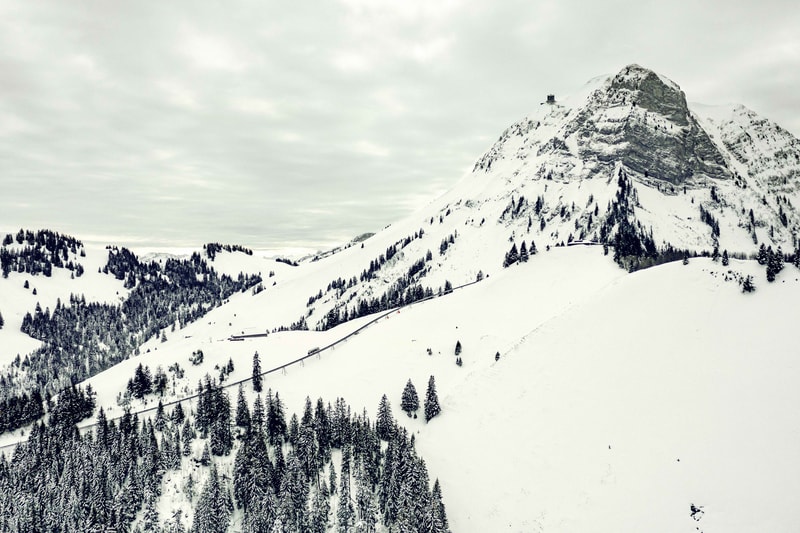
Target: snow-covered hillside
<point x="623" y="159"/>
<point x="586" y="398"/>
<point x="618" y="401"/>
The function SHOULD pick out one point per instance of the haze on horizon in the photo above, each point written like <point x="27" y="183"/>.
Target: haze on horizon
<point x="288" y="126"/>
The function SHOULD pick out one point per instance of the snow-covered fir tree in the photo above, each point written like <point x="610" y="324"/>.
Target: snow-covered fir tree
<point x="431" y="400"/>
<point x="409" y="401"/>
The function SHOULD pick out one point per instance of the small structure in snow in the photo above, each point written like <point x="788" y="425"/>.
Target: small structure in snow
<point x="551" y="99"/>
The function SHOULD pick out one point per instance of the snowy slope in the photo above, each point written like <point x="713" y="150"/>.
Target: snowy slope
<point x="676" y="381"/>
<point x="556" y="176"/>
<point x="16" y="300"/>
<point x="618" y="400"/>
<point x="620" y="421"/>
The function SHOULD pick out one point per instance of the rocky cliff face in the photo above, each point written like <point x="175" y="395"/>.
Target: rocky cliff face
<point x="642" y="121"/>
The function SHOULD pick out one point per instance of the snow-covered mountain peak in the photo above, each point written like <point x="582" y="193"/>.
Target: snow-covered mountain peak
<point x="697" y="176"/>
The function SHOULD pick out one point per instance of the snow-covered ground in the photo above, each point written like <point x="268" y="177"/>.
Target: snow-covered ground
<point x="618" y="400"/>
<point x="16" y="300"/>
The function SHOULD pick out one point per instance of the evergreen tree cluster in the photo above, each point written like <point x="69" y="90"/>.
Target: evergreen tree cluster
<point x="419" y="266"/>
<point x="141" y="383"/>
<point x="401" y="292"/>
<point x="518" y="208"/>
<point x="404" y="291"/>
<point x="84" y="338"/>
<point x="282" y="485"/>
<point x="144" y="382"/>
<point x="214" y="506"/>
<point x="634" y="245"/>
<point x="213" y="418"/>
<point x="213" y="248"/>
<point x="286" y="261"/>
<point x="39" y="252"/>
<point x="62" y="480"/>
<point x="20" y="410"/>
<point x="446" y="242"/>
<point x="73" y="405"/>
<point x="341" y="286"/>
<point x="772" y="260"/>
<point x="747" y="284"/>
<point x="709" y="219"/>
<point x="283" y="478"/>
<point x="520" y="255"/>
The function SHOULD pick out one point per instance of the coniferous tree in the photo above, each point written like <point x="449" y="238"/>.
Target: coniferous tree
<point x="261" y="516"/>
<point x="774" y="263"/>
<point x="345" y="512"/>
<point x="142" y="382"/>
<point x="384" y="421"/>
<point x="320" y="510"/>
<point x="332" y="477"/>
<point x="762" y="255"/>
<point x="748" y="285"/>
<point x="276" y="418"/>
<point x="221" y="438"/>
<point x="257" y="384"/>
<point x="160" y="421"/>
<point x="188" y="437"/>
<point x="212" y="514"/>
<point x="257" y="419"/>
<point x="178" y="415"/>
<point x="725" y="260"/>
<point x="409" y="401"/>
<point x="438" y="523"/>
<point x="160" y="382"/>
<point x="308" y="413"/>
<point x="523" y="253"/>
<point x="2" y="322"/>
<point x="512" y="256"/>
<point x="432" y="407"/>
<point x="294" y="430"/>
<point x="458" y="348"/>
<point x="322" y="427"/>
<point x="242" y="411"/>
<point x="366" y="509"/>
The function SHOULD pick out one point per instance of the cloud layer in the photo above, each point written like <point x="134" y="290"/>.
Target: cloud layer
<point x="302" y="125"/>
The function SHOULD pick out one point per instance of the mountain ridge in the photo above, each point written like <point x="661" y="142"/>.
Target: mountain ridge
<point x="578" y="396"/>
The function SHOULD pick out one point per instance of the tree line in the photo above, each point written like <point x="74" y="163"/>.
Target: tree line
<point x="284" y="477"/>
<point x="84" y="338"/>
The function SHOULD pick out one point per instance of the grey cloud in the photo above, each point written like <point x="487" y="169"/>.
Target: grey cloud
<point x="303" y="125"/>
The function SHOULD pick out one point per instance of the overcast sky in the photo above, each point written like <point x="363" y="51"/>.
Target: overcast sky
<point x="302" y="124"/>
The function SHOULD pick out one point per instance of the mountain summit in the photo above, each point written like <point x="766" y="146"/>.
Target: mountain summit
<point x="642" y="120"/>
<point x="695" y="176"/>
<point x="625" y="162"/>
